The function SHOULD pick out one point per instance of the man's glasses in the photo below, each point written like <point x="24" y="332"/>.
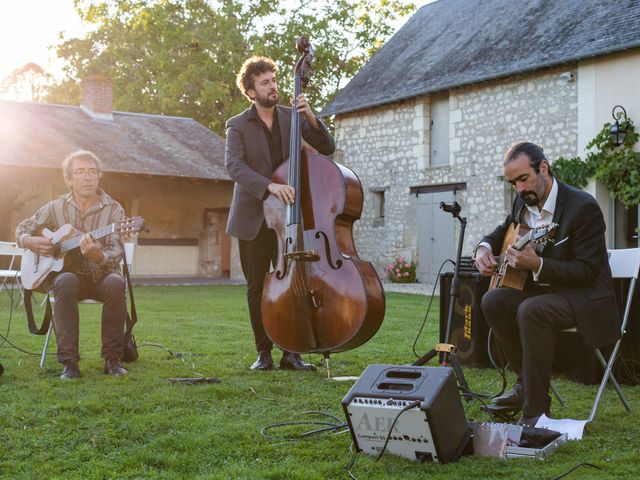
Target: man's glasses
<point x="92" y="172"/>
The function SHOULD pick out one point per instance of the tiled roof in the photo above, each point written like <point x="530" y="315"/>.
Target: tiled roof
<point x="41" y="135"/>
<point x="451" y="43"/>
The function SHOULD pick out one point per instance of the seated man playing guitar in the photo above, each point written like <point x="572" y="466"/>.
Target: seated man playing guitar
<point x="569" y="283"/>
<point x="92" y="272"/>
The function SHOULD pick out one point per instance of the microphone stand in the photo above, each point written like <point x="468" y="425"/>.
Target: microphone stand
<point x="448" y="350"/>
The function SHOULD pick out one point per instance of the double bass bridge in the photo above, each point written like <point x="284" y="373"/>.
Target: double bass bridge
<point x="308" y="255"/>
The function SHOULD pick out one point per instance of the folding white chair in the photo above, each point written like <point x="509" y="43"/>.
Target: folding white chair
<point x="624" y="263"/>
<point x="128" y="254"/>
<point x="10" y="275"/>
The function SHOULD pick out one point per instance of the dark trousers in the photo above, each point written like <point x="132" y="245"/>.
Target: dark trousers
<point x="526" y="324"/>
<point x="68" y="289"/>
<point x="256" y="258"/>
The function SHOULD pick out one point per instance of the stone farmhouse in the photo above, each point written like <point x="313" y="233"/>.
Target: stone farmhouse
<point x="429" y="117"/>
<point x="169" y="170"/>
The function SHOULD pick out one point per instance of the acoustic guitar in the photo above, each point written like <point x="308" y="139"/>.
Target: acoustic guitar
<point x="518" y="236"/>
<point x="34" y="268"/>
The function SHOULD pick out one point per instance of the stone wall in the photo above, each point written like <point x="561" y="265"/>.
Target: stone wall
<point x="388" y="147"/>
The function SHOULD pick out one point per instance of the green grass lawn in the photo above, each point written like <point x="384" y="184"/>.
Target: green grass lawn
<point x="141" y="426"/>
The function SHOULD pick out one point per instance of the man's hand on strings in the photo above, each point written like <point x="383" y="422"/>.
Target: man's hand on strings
<point x="525" y="259"/>
<point x="285" y="193"/>
<point x="91" y="249"/>
<point x="485" y="261"/>
<point x="40" y="245"/>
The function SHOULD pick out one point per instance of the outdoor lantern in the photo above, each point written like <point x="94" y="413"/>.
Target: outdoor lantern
<point x="617" y="131"/>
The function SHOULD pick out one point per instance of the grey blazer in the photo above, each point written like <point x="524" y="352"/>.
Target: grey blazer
<point x="249" y="164"/>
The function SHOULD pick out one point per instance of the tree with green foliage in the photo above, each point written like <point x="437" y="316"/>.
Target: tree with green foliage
<point x="29" y="82"/>
<point x="617" y="167"/>
<point x="180" y="57"/>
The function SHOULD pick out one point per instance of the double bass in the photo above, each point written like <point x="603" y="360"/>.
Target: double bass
<point x="320" y="297"/>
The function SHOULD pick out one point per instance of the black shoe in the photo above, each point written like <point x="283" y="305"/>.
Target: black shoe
<point x="263" y="362"/>
<point x="514" y="398"/>
<point x="70" y="371"/>
<point x="293" y="361"/>
<point x="112" y="367"/>
<point x="528" y="421"/>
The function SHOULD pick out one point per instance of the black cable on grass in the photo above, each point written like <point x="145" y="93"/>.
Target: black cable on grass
<point x="424" y="321"/>
<point x="352" y="462"/>
<point x="180" y="355"/>
<point x="433" y="292"/>
<point x="413" y="404"/>
<point x="479" y="398"/>
<point x="584" y="464"/>
<point x="12" y="345"/>
<point x="337" y="428"/>
<point x="5" y="337"/>
<point x="11" y="299"/>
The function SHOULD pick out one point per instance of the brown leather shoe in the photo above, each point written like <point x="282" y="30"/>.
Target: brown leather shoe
<point x="293" y="361"/>
<point x="71" y="371"/>
<point x="112" y="367"/>
<point x="263" y="362"/>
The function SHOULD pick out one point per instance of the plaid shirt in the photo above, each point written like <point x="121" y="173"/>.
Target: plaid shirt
<point x="63" y="210"/>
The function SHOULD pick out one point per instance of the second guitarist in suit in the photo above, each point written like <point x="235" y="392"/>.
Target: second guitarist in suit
<point x="257" y="143"/>
<point x="569" y="285"/>
<point x="94" y="272"/>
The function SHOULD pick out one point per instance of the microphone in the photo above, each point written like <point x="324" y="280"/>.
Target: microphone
<point x="453" y="208"/>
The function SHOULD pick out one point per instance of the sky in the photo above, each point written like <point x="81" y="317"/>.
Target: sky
<point x="29" y="27"/>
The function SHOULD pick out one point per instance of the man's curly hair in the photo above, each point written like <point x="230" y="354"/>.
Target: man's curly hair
<point x="250" y="69"/>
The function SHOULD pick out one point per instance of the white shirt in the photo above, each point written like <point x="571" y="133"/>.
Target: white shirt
<point x="533" y="217"/>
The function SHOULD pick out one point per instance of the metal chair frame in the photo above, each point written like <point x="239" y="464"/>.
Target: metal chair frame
<point x="624" y="263"/>
<point x="10" y="274"/>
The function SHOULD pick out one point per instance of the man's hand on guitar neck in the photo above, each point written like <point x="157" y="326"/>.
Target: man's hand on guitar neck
<point x="40" y="245"/>
<point x="91" y="249"/>
<point x="525" y="259"/>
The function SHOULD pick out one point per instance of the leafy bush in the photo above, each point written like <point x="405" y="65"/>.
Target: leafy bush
<point x="617" y="167"/>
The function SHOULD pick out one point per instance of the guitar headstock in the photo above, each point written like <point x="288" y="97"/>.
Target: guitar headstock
<point x="130" y="226"/>
<point x="544" y="233"/>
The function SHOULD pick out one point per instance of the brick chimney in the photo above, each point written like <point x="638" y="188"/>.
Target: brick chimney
<point x="97" y="97"/>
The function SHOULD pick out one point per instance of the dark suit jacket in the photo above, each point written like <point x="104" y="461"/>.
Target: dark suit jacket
<point x="577" y="266"/>
<point x="249" y="164"/>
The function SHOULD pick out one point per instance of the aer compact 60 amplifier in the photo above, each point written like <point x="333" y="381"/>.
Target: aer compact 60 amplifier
<point x="434" y="430"/>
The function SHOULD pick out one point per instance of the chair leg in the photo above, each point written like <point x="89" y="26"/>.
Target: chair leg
<point x="46" y="345"/>
<point x="608" y="375"/>
<point x="557" y="394"/>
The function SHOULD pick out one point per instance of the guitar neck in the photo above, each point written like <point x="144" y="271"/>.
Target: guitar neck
<point x="522" y="241"/>
<point x="74" y="242"/>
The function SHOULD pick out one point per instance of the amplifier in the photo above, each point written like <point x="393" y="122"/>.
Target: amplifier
<point x="467" y="264"/>
<point x="433" y="431"/>
<point x="469" y="329"/>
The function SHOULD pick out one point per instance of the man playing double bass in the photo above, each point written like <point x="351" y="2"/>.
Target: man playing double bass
<point x="257" y="143"/>
<point x="569" y="284"/>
